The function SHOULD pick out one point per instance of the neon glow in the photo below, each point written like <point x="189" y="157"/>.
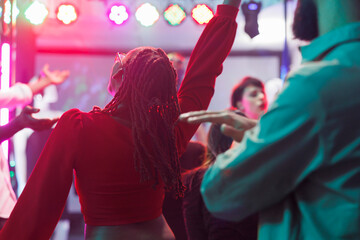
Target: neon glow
<point x="253" y="6"/>
<point x="202" y="13"/>
<point x="66" y="14"/>
<point x="12" y="163"/>
<point x="174" y="14"/>
<point x="7" y="15"/>
<point x="118" y="14"/>
<point x="147" y="14"/>
<point x="4" y="85"/>
<point x="36" y="13"/>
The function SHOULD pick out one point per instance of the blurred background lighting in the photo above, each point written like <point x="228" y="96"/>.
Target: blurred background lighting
<point x="4" y="85"/>
<point x="174" y="14"/>
<point x="36" y="13"/>
<point x="202" y="13"/>
<point x="118" y="14"/>
<point x="147" y="14"/>
<point x="66" y="13"/>
<point x="15" y="12"/>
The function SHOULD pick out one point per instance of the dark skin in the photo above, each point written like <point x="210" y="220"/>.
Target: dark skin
<point x="25" y="120"/>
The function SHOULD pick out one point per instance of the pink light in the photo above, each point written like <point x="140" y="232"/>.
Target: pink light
<point x="118" y="14"/>
<point x="4" y="85"/>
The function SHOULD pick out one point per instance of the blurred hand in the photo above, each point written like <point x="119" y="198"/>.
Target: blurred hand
<point x="233" y="125"/>
<point x="55" y="77"/>
<point x="235" y="3"/>
<point x="26" y="120"/>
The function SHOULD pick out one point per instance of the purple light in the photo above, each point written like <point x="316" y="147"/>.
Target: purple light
<point x="252" y="6"/>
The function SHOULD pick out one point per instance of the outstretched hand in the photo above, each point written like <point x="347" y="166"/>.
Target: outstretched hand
<point x="55" y="77"/>
<point x="26" y="120"/>
<point x="233" y="125"/>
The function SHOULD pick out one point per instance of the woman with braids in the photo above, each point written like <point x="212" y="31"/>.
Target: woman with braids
<point x="125" y="156"/>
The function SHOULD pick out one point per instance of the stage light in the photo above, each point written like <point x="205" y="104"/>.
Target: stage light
<point x="66" y="13"/>
<point x="251" y="10"/>
<point x="12" y="163"/>
<point x="147" y="14"/>
<point x="202" y="13"/>
<point x="4" y="85"/>
<point x="36" y="13"/>
<point x="174" y="14"/>
<point x="15" y="12"/>
<point x="118" y="14"/>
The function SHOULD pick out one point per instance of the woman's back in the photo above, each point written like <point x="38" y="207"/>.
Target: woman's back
<point x="106" y="180"/>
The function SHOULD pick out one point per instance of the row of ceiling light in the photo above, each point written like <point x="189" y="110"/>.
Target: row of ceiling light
<point x="146" y="14"/>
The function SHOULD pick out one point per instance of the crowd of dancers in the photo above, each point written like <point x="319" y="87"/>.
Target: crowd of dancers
<point x="288" y="172"/>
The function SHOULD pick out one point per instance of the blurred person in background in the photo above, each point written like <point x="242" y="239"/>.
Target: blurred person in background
<point x="200" y="224"/>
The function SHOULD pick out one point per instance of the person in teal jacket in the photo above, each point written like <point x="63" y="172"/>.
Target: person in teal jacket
<point x="300" y="165"/>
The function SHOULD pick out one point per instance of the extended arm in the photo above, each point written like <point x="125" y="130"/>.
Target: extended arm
<point x="21" y="94"/>
<point x="41" y="203"/>
<point x="25" y="120"/>
<point x="272" y="159"/>
<point x="233" y="125"/>
<point x="48" y="78"/>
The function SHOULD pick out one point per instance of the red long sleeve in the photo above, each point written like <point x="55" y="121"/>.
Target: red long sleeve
<point x="204" y="66"/>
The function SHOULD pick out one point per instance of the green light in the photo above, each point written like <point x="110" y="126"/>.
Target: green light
<point x="12" y="174"/>
<point x="174" y="14"/>
<point x="12" y="163"/>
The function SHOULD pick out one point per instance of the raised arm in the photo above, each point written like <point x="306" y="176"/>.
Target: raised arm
<point x="205" y="65"/>
<point x="48" y="78"/>
<point x="21" y="94"/>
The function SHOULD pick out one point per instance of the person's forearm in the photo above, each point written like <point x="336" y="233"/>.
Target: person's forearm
<point x="10" y="129"/>
<point x="37" y="86"/>
<point x="235" y="3"/>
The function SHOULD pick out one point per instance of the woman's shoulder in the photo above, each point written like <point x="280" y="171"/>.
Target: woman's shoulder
<point x="75" y="113"/>
<point x="71" y="114"/>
